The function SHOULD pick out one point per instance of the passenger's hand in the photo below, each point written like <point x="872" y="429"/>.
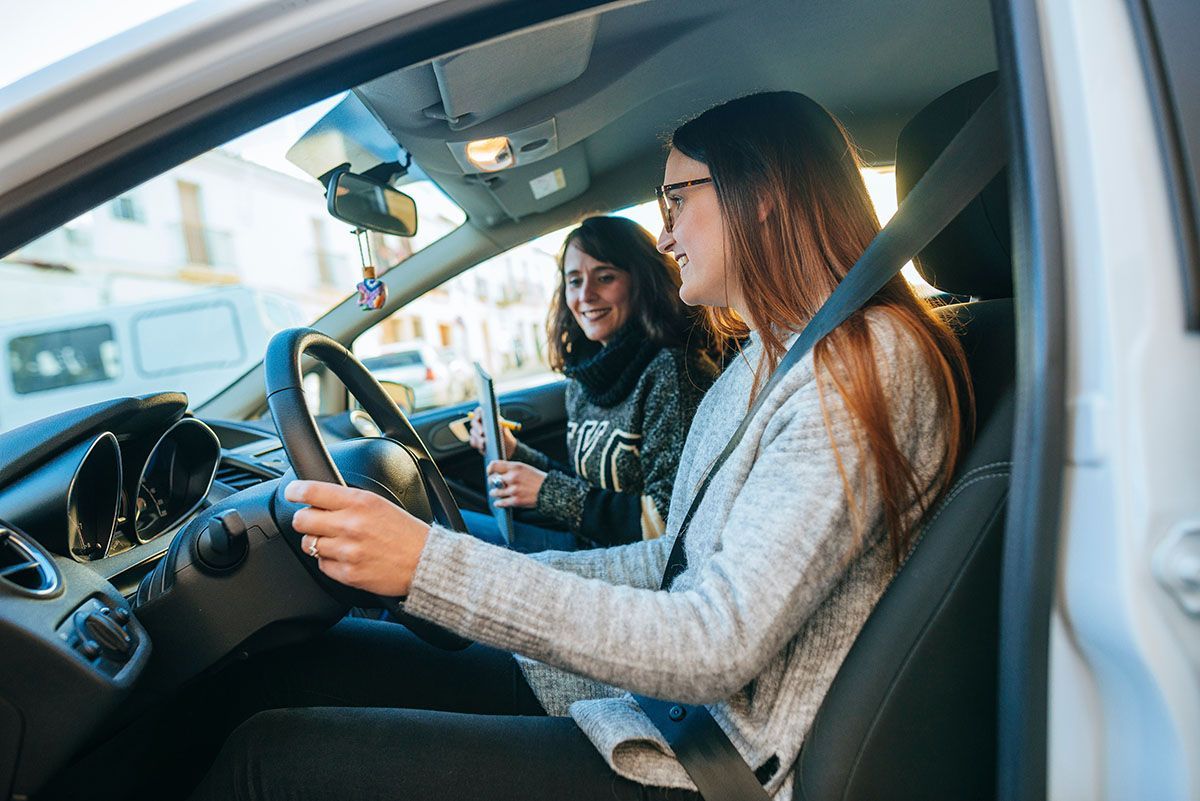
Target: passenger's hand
<point x="361" y="539"/>
<point x="521" y="483"/>
<point x="478" y="438"/>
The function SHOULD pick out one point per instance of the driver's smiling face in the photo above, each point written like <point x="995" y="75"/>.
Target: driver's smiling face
<point x="597" y="293"/>
<point x="697" y="239"/>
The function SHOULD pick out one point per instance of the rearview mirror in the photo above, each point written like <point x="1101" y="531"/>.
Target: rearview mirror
<point x="366" y="203"/>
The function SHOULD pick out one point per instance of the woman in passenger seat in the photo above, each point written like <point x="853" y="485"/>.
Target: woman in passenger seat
<point x="619" y="332"/>
<point x="799" y="533"/>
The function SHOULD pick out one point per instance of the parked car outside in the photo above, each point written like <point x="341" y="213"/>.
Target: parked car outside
<point x="419" y="366"/>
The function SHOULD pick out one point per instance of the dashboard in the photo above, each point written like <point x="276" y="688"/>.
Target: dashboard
<point x="91" y="500"/>
<point x="119" y="488"/>
<point x="132" y="526"/>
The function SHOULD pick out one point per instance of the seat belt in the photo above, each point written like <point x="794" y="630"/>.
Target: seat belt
<point x="972" y="159"/>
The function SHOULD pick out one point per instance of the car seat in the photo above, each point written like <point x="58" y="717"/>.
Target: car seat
<point x="911" y="713"/>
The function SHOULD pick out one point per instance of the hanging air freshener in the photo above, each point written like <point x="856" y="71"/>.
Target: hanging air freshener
<point x="372" y="292"/>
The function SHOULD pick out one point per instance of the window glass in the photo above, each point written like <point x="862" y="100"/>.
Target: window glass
<point x="495" y="314"/>
<point x="881" y="186"/>
<point x="65" y="358"/>
<point x="127" y="207"/>
<point x="194" y="270"/>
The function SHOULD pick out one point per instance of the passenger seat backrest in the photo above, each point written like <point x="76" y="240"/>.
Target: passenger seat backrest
<point x="912" y="711"/>
<point x="973" y="255"/>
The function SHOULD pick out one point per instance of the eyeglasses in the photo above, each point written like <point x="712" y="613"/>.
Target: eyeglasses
<point x="664" y="204"/>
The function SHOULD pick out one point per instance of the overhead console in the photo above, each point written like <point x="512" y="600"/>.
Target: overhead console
<point x="486" y="98"/>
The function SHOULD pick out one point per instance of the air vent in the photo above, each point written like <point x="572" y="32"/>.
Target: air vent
<point x="25" y="567"/>
<point x="239" y="475"/>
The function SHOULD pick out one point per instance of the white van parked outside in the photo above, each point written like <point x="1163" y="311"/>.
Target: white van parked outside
<point x="196" y="345"/>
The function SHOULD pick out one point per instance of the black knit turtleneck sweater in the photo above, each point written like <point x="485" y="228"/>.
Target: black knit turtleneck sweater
<point x="608" y="373"/>
<point x="629" y="407"/>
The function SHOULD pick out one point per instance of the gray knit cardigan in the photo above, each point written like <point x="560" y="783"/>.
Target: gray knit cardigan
<point x="776" y="588"/>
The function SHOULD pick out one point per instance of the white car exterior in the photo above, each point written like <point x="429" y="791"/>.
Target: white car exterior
<point x="1124" y="688"/>
<point x="1125" y="657"/>
<point x="418" y="365"/>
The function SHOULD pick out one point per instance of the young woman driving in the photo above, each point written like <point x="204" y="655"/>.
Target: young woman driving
<point x="799" y="533"/>
<point x="637" y="369"/>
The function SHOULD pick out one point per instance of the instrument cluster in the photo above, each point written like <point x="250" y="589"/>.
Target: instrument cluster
<point x="87" y="503"/>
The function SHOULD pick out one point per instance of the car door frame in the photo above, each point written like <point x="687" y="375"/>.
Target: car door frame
<point x="150" y="147"/>
<point x="1029" y="560"/>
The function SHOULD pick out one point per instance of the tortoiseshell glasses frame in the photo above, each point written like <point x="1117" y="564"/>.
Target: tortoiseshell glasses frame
<point x="664" y="205"/>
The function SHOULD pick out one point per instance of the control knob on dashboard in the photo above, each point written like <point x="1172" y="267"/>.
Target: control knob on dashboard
<point x="99" y="632"/>
<point x="223" y="543"/>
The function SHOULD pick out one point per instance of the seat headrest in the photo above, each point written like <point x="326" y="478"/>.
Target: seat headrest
<point x="972" y="255"/>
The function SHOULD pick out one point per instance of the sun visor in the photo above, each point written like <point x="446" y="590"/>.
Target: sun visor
<point x="534" y="188"/>
<point x="475" y="85"/>
<point x="349" y="133"/>
<point x="484" y="82"/>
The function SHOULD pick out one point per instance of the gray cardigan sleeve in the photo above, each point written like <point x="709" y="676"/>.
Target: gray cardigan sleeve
<point x="640" y="564"/>
<point x="782" y="553"/>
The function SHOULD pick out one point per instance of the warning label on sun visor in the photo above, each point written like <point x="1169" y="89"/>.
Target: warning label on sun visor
<point x="548" y="184"/>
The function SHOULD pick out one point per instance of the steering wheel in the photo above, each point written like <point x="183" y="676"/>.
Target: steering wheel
<point x="396" y="466"/>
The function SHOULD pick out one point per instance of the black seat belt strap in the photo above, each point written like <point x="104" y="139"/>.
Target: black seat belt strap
<point x="704" y="750"/>
<point x="972" y="159"/>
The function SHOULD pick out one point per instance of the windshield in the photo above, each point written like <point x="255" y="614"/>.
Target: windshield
<point x="179" y="283"/>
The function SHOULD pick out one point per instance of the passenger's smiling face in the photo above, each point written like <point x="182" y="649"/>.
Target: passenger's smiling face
<point x="597" y="293"/>
<point x="697" y="235"/>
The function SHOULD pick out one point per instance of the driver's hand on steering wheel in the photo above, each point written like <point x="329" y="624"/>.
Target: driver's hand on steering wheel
<point x="360" y="538"/>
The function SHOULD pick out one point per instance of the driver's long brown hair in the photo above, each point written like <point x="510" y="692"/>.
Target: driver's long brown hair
<point x="783" y="153"/>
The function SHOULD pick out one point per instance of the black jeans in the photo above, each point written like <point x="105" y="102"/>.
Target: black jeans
<point x="371" y="712"/>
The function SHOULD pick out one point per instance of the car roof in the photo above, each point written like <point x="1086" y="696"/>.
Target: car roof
<point x="615" y="78"/>
<point x="608" y="86"/>
<point x="611" y="81"/>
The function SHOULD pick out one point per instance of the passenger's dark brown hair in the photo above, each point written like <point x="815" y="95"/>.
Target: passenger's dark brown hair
<point x="653" y="288"/>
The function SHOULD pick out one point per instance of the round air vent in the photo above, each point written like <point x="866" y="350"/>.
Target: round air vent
<point x="26" y="568"/>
